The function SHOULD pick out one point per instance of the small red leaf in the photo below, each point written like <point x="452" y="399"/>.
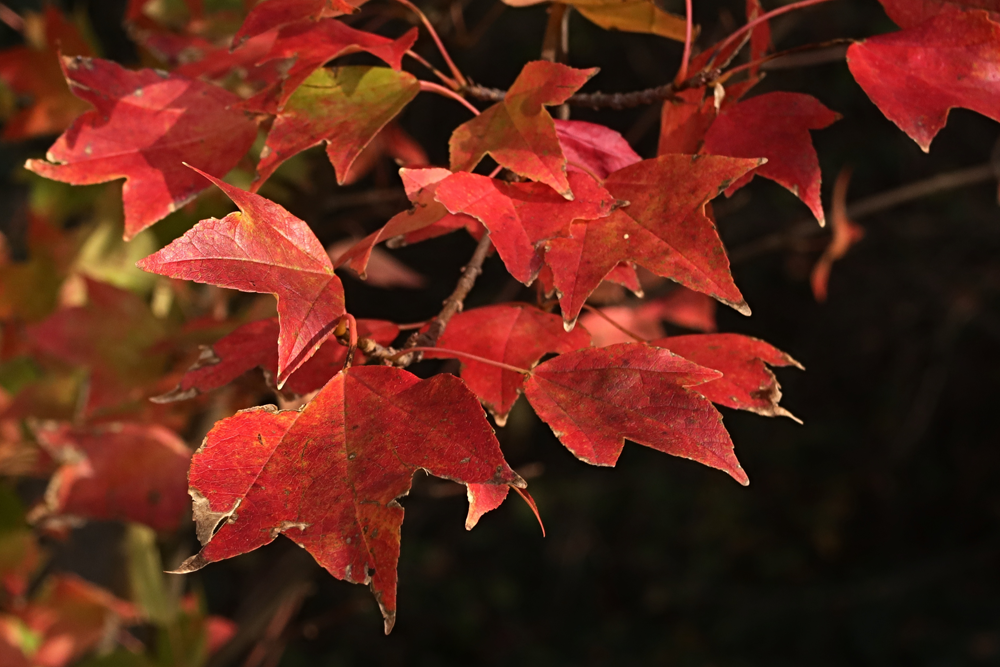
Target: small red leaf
<point x="144" y="127"/>
<point x="518" y="132"/>
<point x="119" y="472"/>
<point x="514" y="334"/>
<point x="522" y="215"/>
<point x="747" y="383"/>
<point x="277" y="13"/>
<point x="266" y="249"/>
<point x="775" y="126"/>
<point x="915" y="76"/>
<point x="593" y="148"/>
<point x="328" y="477"/>
<point x="593" y="399"/>
<point x="908" y="13"/>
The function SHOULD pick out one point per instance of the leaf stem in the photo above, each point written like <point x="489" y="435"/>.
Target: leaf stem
<point x="457" y="353"/>
<point x="455" y="72"/>
<point x="11" y="18"/>
<point x="447" y="80"/>
<point x="431" y="87"/>
<point x="688" y="35"/>
<point x="738" y="34"/>
<point x="526" y="497"/>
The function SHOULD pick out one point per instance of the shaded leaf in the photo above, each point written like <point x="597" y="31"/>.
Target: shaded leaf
<point x="596" y="398"/>
<point x="328" y="477"/>
<point x="277" y="13"/>
<point x="518" y="132"/>
<point x="643" y="16"/>
<point x="265" y="249"/>
<point x="593" y="148"/>
<point x="144" y="127"/>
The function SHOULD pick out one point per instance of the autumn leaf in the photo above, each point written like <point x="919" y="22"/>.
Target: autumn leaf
<point x="518" y="335"/>
<point x="681" y="307"/>
<point x="33" y="72"/>
<point x="382" y="269"/>
<point x="344" y="108"/>
<point x="393" y="142"/>
<point x="116" y="471"/>
<point x="143" y="128"/>
<point x="684" y="120"/>
<point x="643" y="16"/>
<point x="50" y="254"/>
<point x="520" y="216"/>
<point x="593" y="149"/>
<point x="596" y="398"/>
<point x="302" y="48"/>
<point x="775" y="126"/>
<point x="518" y="132"/>
<point x="664" y="228"/>
<point x="277" y="13"/>
<point x="908" y="13"/>
<point x="427" y="218"/>
<point x="255" y="344"/>
<point x="917" y="75"/>
<point x="845" y="235"/>
<point x="264" y="249"/>
<point x="328" y="477"/>
<point x="746" y="383"/>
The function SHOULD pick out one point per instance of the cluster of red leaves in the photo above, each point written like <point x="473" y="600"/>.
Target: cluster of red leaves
<point x="575" y="207"/>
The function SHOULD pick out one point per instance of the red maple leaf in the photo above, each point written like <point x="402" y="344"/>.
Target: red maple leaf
<point x="344" y="108"/>
<point x="775" y="126"/>
<point x="518" y="132"/>
<point x="116" y="471"/>
<point x="663" y="228"/>
<point x="908" y="13"/>
<point x="514" y="334"/>
<point x="522" y="215"/>
<point x="596" y="398"/>
<point x="277" y="13"/>
<point x="263" y="248"/>
<point x="746" y="383"/>
<point x="255" y="344"/>
<point x="328" y="477"/>
<point x="915" y="76"/>
<point x="593" y="149"/>
<point x="144" y="127"/>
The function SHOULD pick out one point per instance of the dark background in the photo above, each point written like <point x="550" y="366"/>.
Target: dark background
<point x="868" y="536"/>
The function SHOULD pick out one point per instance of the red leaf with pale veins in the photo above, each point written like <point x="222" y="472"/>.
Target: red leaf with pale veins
<point x="264" y="249"/>
<point x="775" y="126"/>
<point x="302" y="48"/>
<point x="908" y="13"/>
<point x="277" y="13"/>
<point x="328" y="477"/>
<point x="593" y="148"/>
<point x="522" y="215"/>
<point x="747" y="383"/>
<point x="917" y="75"/>
<point x="664" y="228"/>
<point x="255" y="344"/>
<point x="426" y="219"/>
<point x="514" y="334"/>
<point x="118" y="472"/>
<point x="593" y="399"/>
<point x="144" y="127"/>
<point x="344" y="108"/>
<point x="518" y="132"/>
<point x="35" y="74"/>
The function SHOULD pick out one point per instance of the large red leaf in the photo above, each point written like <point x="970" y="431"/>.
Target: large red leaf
<point x="34" y="73"/>
<point x="116" y="471"/>
<point x="593" y="399"/>
<point x="908" y="13"/>
<point x="915" y="76"/>
<point x="775" y="126"/>
<point x="328" y="477"/>
<point x="255" y="344"/>
<point x="522" y="215"/>
<point x="144" y="127"/>
<point x="277" y="13"/>
<point x="747" y="383"/>
<point x="593" y="148"/>
<point x="302" y="48"/>
<point x="427" y="218"/>
<point x="514" y="334"/>
<point x="263" y="248"/>
<point x="664" y="228"/>
<point x="345" y="108"/>
<point x="518" y="132"/>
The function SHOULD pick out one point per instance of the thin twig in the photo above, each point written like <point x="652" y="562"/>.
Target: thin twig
<point x="746" y="28"/>
<point x="870" y="205"/>
<point x="463" y="355"/>
<point x="431" y="87"/>
<point x="11" y="18"/>
<point x="438" y="73"/>
<point x="455" y="72"/>
<point x="688" y="35"/>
